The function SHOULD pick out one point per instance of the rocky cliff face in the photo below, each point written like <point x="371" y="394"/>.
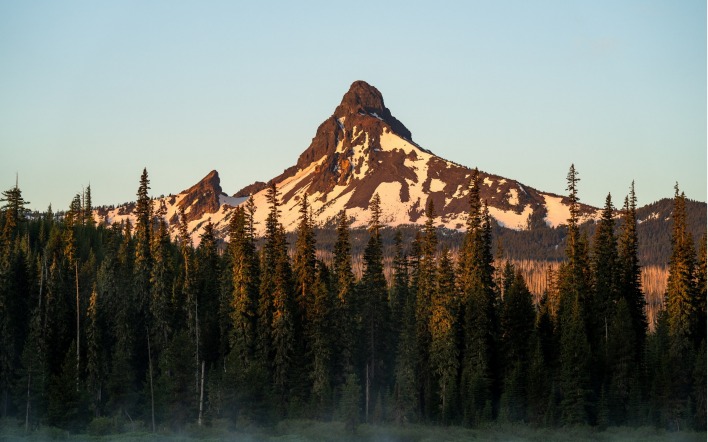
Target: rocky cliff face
<point x="202" y="198"/>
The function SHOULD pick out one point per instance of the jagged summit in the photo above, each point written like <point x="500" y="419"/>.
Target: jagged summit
<point x="364" y="99"/>
<point x="202" y="197"/>
<point x="358" y="151"/>
<point x="361" y="97"/>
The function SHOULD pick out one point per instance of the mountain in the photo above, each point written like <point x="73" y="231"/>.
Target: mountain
<point x="360" y="150"/>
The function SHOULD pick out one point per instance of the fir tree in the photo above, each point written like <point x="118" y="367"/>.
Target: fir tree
<point x="426" y="287"/>
<point x="476" y="279"/>
<point x="574" y="345"/>
<point x="375" y="310"/>
<point x="304" y="264"/>
<point x="245" y="286"/>
<point x="87" y="211"/>
<point x="405" y="398"/>
<point x="320" y="330"/>
<point x="344" y="309"/>
<point x="443" y="346"/>
<point x="13" y="211"/>
<point x="630" y="285"/>
<point x="517" y="325"/>
<point x="682" y="310"/>
<point x="161" y="281"/>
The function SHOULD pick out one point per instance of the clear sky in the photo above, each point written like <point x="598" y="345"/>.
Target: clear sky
<point x="92" y="92"/>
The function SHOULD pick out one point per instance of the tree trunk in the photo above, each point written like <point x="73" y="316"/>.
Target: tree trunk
<point x="201" y="398"/>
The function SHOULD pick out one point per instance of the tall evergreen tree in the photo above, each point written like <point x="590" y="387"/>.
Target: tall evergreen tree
<point x="574" y="285"/>
<point x="681" y="292"/>
<point x="304" y="263"/>
<point x="161" y="281"/>
<point x="476" y="280"/>
<point x="14" y="211"/>
<point x="142" y="270"/>
<point x="682" y="310"/>
<point x="320" y="328"/>
<point x="87" y="211"/>
<point x="517" y="318"/>
<point x="375" y="311"/>
<point x="426" y="287"/>
<point x="444" y="362"/>
<point x="405" y="398"/>
<point x="630" y="272"/>
<point x="304" y="259"/>
<point x="244" y="263"/>
<point x="604" y="266"/>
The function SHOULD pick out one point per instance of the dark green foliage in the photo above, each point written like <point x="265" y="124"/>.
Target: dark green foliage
<point x="447" y="338"/>
<point x="375" y="313"/>
<point x="478" y="317"/>
<point x="516" y="326"/>
<point x="349" y="406"/>
<point x="629" y="272"/>
<point x="444" y="350"/>
<point x="403" y="311"/>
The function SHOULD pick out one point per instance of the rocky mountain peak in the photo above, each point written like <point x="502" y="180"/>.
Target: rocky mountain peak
<point x="202" y="197"/>
<point x="361" y="98"/>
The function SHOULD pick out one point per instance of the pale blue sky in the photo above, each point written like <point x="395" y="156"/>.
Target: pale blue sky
<point x="92" y="92"/>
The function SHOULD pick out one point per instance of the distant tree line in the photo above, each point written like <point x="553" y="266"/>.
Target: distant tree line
<point x="123" y="324"/>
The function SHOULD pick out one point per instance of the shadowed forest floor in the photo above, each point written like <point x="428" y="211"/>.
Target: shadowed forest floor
<point x="307" y="430"/>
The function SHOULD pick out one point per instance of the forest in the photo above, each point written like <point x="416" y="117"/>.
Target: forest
<point x="106" y="326"/>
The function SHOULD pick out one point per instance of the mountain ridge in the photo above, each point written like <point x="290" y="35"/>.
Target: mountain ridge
<point x="360" y="150"/>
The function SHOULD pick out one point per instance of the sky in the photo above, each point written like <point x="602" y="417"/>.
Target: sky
<point x="93" y="92"/>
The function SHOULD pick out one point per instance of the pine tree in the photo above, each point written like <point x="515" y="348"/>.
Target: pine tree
<point x="443" y="346"/>
<point x="604" y="265"/>
<point x="574" y="345"/>
<point x="14" y="211"/>
<point x="682" y="309"/>
<point x="244" y="263"/>
<point x="375" y="310"/>
<point x="96" y="352"/>
<point x="630" y="286"/>
<point x="517" y="325"/>
<point x="161" y="281"/>
<point x="320" y="330"/>
<point x="426" y="285"/>
<point x="87" y="209"/>
<point x="304" y="264"/>
<point x="344" y="310"/>
<point x="304" y="259"/>
<point x="622" y="372"/>
<point x="269" y="259"/>
<point x="399" y="284"/>
<point x="681" y="291"/>
<point x="142" y="270"/>
<point x="476" y="280"/>
<point x="207" y="269"/>
<point x="276" y="310"/>
<point x="405" y="397"/>
<point x="13" y="308"/>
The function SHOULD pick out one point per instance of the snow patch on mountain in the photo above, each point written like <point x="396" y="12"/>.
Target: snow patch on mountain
<point x="511" y="219"/>
<point x="513" y="197"/>
<point x="436" y="185"/>
<point x="557" y="213"/>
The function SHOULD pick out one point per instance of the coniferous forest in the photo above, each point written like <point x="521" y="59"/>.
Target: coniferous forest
<point x="112" y="325"/>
